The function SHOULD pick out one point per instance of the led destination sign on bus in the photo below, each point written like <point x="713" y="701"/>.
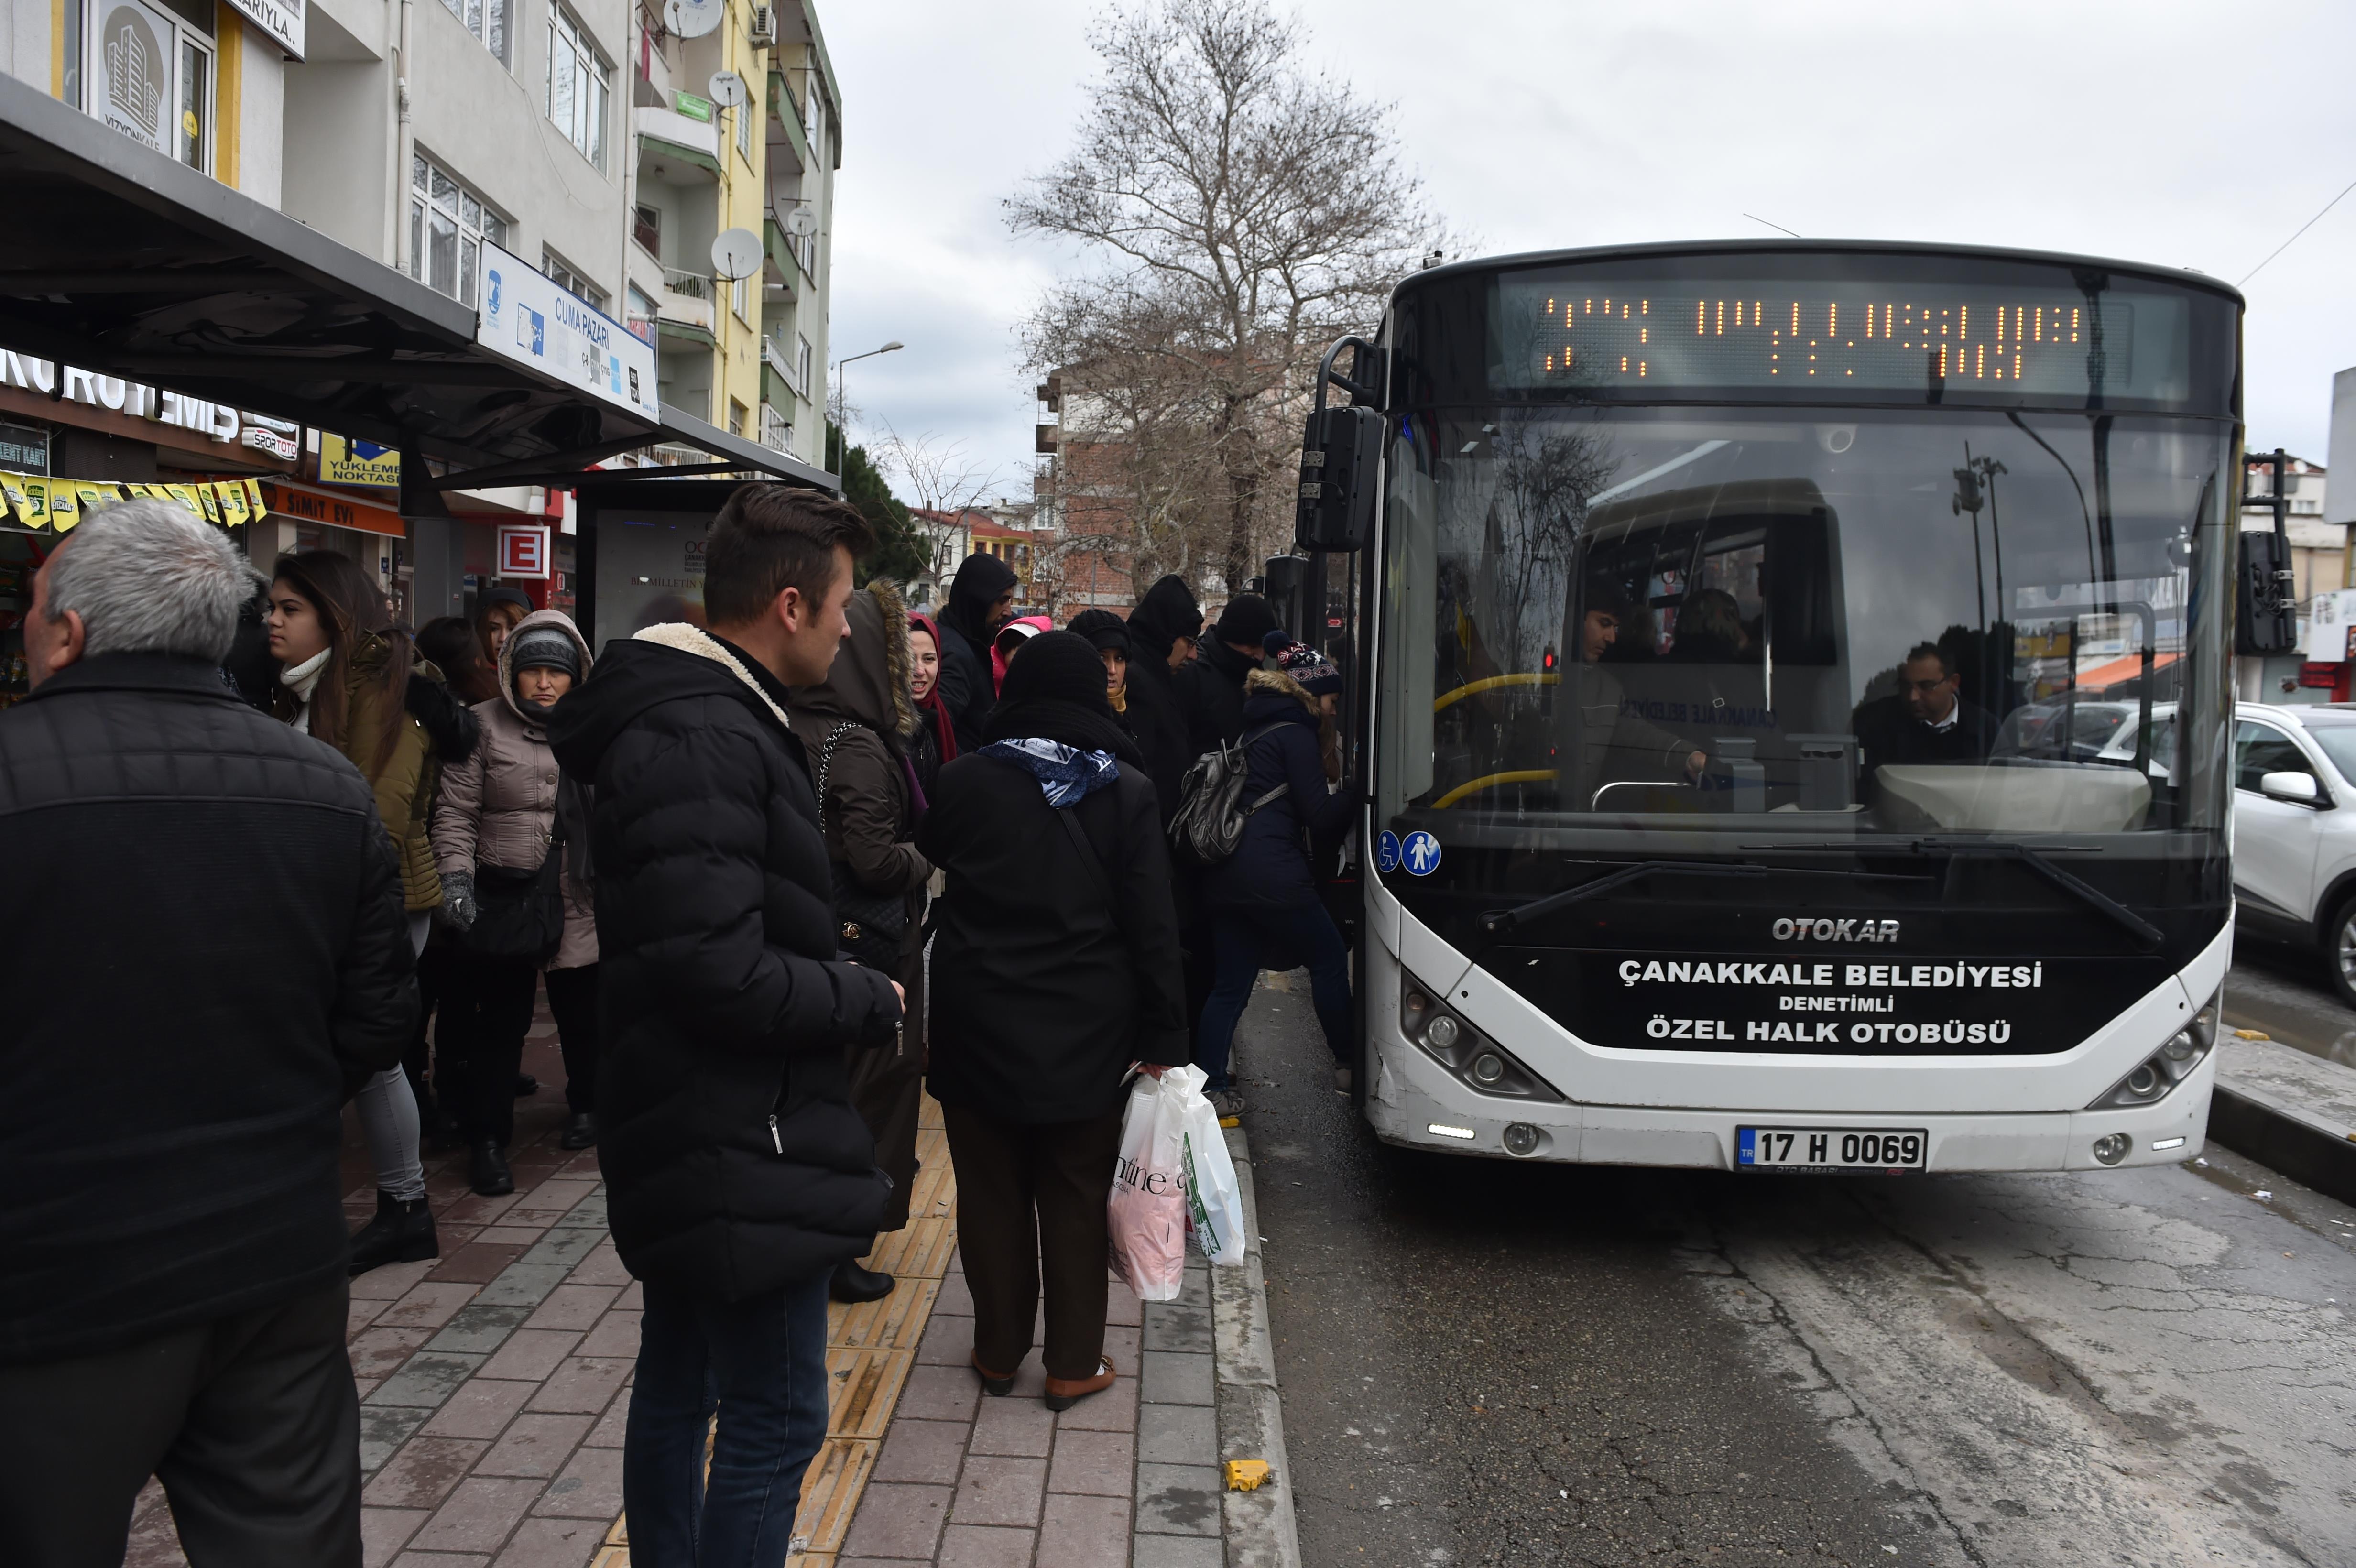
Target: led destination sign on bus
<point x="1582" y="333"/>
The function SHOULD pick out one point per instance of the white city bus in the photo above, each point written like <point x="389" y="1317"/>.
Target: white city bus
<point x="1717" y="613"/>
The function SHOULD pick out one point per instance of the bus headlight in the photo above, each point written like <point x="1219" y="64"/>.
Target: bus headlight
<point x="2171" y="1065"/>
<point x="1477" y="1060"/>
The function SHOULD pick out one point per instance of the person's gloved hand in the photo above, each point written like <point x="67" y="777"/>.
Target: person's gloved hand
<point x="458" y="906"/>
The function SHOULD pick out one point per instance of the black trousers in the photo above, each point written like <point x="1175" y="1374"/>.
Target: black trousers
<point x="485" y="1012"/>
<point x="251" y="1422"/>
<point x="572" y="1001"/>
<point x="1031" y="1202"/>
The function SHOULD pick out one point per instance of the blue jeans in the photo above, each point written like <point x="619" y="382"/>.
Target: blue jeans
<point x="1250" y="940"/>
<point x="761" y="1363"/>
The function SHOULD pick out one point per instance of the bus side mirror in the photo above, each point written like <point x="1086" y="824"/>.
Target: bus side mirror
<point x="1338" y="453"/>
<point x="2266" y="619"/>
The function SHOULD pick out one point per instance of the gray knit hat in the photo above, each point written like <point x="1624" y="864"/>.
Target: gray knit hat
<point x="544" y="647"/>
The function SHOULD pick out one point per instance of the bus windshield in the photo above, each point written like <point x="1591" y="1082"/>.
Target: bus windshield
<point x="1743" y="626"/>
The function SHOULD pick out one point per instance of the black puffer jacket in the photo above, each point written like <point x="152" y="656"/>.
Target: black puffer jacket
<point x="1210" y="691"/>
<point x="213" y="957"/>
<point x="724" y="1006"/>
<point x="1167" y="613"/>
<point x="1271" y="866"/>
<point x="967" y="686"/>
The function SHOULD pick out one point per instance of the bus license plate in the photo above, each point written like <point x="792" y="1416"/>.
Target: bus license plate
<point x="1831" y="1148"/>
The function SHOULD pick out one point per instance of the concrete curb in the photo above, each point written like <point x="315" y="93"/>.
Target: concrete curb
<point x="2285" y="1137"/>
<point x="1259" y="1526"/>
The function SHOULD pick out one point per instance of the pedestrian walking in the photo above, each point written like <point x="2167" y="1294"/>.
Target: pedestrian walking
<point x="218" y="958"/>
<point x="857" y="721"/>
<point x="1163" y="633"/>
<point x="510" y="839"/>
<point x="981" y="595"/>
<point x="1054" y="969"/>
<point x="350" y="678"/>
<point x="936" y="739"/>
<point x="1262" y="900"/>
<point x="737" y="1172"/>
<point x="1211" y="687"/>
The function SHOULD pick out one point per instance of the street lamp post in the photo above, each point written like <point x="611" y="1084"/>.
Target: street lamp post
<point x="841" y="403"/>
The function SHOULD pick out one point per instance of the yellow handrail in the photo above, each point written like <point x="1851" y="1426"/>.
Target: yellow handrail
<point x="1476" y="687"/>
<point x="1525" y="776"/>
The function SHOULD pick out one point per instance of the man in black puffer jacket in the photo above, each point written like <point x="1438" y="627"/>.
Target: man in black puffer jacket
<point x="1163" y="633"/>
<point x="1211" y="689"/>
<point x="981" y="595"/>
<point x="212" y="959"/>
<point x="737" y="1172"/>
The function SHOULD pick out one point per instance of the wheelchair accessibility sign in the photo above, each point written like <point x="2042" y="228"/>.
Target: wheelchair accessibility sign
<point x="1421" y="854"/>
<point x="1386" y="852"/>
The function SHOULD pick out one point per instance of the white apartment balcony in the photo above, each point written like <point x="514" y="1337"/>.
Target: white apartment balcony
<point x="685" y="302"/>
<point x="698" y="138"/>
<point x="776" y="431"/>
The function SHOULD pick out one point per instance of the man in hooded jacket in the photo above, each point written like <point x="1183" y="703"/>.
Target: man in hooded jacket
<point x="1163" y="633"/>
<point x="1211" y="689"/>
<point x="981" y="596"/>
<point x="738" y="1174"/>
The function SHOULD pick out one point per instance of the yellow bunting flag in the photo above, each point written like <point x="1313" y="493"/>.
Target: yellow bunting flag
<point x="65" y="504"/>
<point x="12" y="499"/>
<point x="32" y="510"/>
<point x="233" y="502"/>
<point x="208" y="502"/>
<point x="185" y="495"/>
<point x="254" y="500"/>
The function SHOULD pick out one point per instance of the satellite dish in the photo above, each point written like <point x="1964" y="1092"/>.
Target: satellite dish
<point x="727" y="88"/>
<point x="736" y="254"/>
<point x="693" y="18"/>
<point x="801" y="223"/>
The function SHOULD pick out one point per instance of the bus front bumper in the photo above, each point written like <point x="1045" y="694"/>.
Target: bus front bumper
<point x="1413" y="1101"/>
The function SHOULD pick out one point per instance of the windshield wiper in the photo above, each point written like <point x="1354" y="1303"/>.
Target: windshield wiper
<point x="2149" y="935"/>
<point x="1503" y="921"/>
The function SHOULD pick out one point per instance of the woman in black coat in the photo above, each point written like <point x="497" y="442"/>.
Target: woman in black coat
<point x="1054" y="969"/>
<point x="1262" y="900"/>
<point x="981" y="595"/>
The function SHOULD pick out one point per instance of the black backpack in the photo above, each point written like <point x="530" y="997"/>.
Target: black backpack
<point x="1211" y="814"/>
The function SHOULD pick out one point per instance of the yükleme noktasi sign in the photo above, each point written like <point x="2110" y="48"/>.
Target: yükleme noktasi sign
<point x="529" y="318"/>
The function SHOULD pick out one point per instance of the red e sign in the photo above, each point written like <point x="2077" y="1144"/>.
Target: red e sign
<point x="523" y="550"/>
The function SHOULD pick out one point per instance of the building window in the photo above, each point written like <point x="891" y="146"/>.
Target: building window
<point x="488" y="20"/>
<point x="645" y="227"/>
<point x="735" y="417"/>
<point x="579" y="81"/>
<point x="740" y="293"/>
<point x="447" y="226"/>
<point x="147" y="73"/>
<point x="802" y="366"/>
<point x="564" y="277"/>
<point x="642" y="314"/>
<point x="196" y="101"/>
<point x="743" y="114"/>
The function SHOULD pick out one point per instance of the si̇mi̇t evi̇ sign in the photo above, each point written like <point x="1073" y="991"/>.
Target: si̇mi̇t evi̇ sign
<point x="528" y="317"/>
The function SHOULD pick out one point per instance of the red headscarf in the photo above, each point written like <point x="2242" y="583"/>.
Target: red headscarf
<point x="934" y="710"/>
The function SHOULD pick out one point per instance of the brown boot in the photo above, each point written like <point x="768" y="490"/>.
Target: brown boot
<point x="1065" y="1392"/>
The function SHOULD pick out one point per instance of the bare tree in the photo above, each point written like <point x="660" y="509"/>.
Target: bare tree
<point x="1244" y="210"/>
<point x="944" y="480"/>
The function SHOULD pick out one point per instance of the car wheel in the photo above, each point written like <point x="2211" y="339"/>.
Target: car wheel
<point x="2340" y="950"/>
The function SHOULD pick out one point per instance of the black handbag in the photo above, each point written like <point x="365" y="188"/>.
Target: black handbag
<point x="872" y="926"/>
<point x="521" y="915"/>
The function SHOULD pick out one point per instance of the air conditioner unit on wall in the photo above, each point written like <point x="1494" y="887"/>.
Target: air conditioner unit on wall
<point x="765" y="26"/>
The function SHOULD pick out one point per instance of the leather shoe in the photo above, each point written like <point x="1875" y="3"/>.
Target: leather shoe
<point x="1065" y="1392"/>
<point x="492" y="1178"/>
<point x="991" y="1383"/>
<point x="580" y="1132"/>
<point x="854" y="1285"/>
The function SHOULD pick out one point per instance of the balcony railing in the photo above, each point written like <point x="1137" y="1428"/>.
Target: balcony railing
<point x="776" y="431"/>
<point x="695" y="285"/>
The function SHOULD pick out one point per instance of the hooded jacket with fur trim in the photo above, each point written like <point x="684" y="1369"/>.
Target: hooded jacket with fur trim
<point x="1271" y="866"/>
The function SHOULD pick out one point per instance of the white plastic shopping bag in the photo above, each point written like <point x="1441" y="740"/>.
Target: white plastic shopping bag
<point x="1214" y="1205"/>
<point x="1147" y="1211"/>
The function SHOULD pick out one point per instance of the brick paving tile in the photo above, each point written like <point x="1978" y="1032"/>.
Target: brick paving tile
<point x="480" y="1328"/>
<point x="590" y="1487"/>
<point x="1178" y="1499"/>
<point x="441" y="1559"/>
<point x="1115" y="1410"/>
<point x="358" y="1312"/>
<point x="503" y="1234"/>
<point x="582" y="1385"/>
<point x="383" y="1429"/>
<point x="1176" y="1434"/>
<point x="558" y="1193"/>
<point x="392" y="1281"/>
<point x="1085" y="1533"/>
<point x="530" y="1354"/>
<point x="553" y="1543"/>
<point x="427" y="1305"/>
<point x="481" y="1409"/>
<point x="898" y="1520"/>
<point x="998" y="1489"/>
<point x="1122" y="1310"/>
<point x="477" y="1517"/>
<point x="1179" y="1552"/>
<point x="522" y="1285"/>
<point x="1097" y="1463"/>
<point x="573" y="1306"/>
<point x="1179" y="1377"/>
<point x="363" y="1387"/>
<point x="424" y="1474"/>
<point x="955" y="1299"/>
<point x="979" y="1546"/>
<point x="476" y="1263"/>
<point x="948" y="1341"/>
<point x="602" y="1266"/>
<point x="474" y="1209"/>
<point x="616" y="1334"/>
<point x="941" y="1393"/>
<point x="1013" y="1425"/>
<point x="607" y="1433"/>
<point x="1173" y="1326"/>
<point x="929" y="1451"/>
<point x="534" y="1445"/>
<point x="429" y="1378"/>
<point x="384" y="1530"/>
<point x="632" y="1299"/>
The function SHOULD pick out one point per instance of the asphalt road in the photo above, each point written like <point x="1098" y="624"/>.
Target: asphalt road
<point x="1495" y="1363"/>
<point x="2286" y="991"/>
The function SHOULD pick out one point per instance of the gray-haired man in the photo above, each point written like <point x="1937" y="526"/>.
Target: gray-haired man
<point x="208" y="955"/>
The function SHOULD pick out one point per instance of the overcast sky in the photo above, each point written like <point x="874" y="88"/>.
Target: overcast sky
<point x="2187" y="134"/>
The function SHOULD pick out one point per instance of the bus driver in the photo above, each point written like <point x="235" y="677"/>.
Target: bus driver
<point x="1926" y="720"/>
<point x="1616" y="744"/>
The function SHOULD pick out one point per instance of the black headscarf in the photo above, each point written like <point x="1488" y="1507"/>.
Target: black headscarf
<point x="979" y="579"/>
<point x="1103" y="629"/>
<point x="1055" y="691"/>
<point x="1167" y="613"/>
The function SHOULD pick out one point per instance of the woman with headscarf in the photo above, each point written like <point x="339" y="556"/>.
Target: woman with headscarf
<point x="1163" y="633"/>
<point x="1054" y="969"/>
<point x="935" y="741"/>
<point x="1108" y="635"/>
<point x="981" y="595"/>
<point x="1009" y="642"/>
<point x="856" y="725"/>
<point x="351" y="678"/>
<point x="507" y="810"/>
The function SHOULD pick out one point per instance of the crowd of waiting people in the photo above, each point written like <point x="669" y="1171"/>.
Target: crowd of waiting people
<point x="778" y="874"/>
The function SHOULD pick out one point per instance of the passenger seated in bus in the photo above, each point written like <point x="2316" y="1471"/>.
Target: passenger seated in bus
<point x="1926" y="720"/>
<point x="1710" y="630"/>
<point x="1616" y="744"/>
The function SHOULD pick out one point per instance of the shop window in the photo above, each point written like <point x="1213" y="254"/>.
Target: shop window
<point x="146" y="72"/>
<point x="641" y="320"/>
<point x="488" y="20"/>
<point x="580" y="82"/>
<point x="447" y="226"/>
<point x="564" y="277"/>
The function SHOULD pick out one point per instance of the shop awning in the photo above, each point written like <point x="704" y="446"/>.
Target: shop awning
<point x="128" y="264"/>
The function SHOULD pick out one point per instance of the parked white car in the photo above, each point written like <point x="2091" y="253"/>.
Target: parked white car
<point x="2295" y="829"/>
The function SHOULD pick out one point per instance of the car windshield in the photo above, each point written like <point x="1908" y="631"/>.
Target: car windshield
<point x="1796" y="625"/>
